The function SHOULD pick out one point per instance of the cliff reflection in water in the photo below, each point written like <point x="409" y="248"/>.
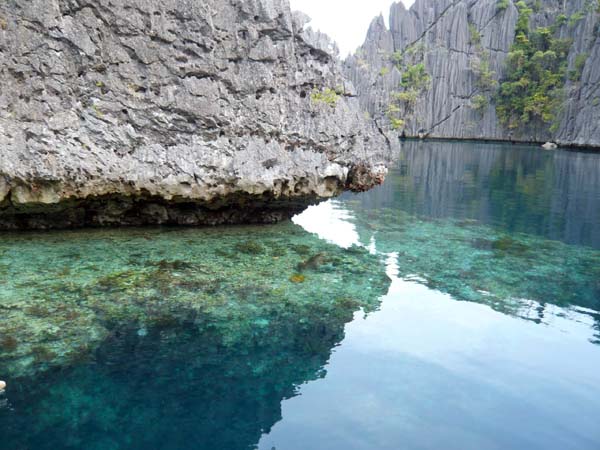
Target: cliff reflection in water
<point x="513" y="227"/>
<point x="555" y="194"/>
<point x="191" y="338"/>
<point x="175" y="388"/>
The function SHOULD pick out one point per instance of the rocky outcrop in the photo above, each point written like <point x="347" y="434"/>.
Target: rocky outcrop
<point x="463" y="45"/>
<point x="172" y="111"/>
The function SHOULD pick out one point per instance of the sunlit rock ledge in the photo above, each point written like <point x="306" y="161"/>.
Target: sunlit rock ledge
<point x="124" y="112"/>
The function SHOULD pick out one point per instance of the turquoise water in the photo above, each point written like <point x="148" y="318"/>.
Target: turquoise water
<point x="456" y="307"/>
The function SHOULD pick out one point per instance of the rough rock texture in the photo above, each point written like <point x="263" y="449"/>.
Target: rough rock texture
<point x="439" y="34"/>
<point x="171" y="111"/>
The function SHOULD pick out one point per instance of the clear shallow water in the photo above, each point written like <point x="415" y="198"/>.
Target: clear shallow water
<point x="454" y="307"/>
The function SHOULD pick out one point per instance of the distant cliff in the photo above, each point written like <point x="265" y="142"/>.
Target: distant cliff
<point x="484" y="69"/>
<point x="171" y="112"/>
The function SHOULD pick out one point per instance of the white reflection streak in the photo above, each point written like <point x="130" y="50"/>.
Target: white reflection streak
<point x="391" y="265"/>
<point x="331" y="222"/>
<point x="564" y="319"/>
<point x="372" y="247"/>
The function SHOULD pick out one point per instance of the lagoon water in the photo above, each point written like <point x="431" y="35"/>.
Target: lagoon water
<point x="457" y="306"/>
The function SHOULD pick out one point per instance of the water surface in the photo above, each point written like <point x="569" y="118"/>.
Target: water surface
<point x="454" y="307"/>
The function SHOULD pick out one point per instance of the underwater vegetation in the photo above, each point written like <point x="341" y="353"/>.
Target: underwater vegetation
<point x="478" y="263"/>
<point x="68" y="292"/>
<point x="298" y="278"/>
<point x="202" y="333"/>
<point x="507" y="226"/>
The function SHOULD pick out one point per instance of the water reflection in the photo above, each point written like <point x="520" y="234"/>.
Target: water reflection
<point x="348" y="334"/>
<point x="175" y="388"/>
<point x="169" y="338"/>
<point x="331" y="222"/>
<point x="545" y="282"/>
<point x="451" y="375"/>
<point x="427" y="371"/>
<point x="512" y="227"/>
<point x="554" y="194"/>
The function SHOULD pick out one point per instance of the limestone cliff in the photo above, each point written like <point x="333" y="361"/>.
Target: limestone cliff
<point x="463" y="46"/>
<point x="172" y="111"/>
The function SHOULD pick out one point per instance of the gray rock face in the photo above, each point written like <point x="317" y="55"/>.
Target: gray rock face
<point x="439" y="33"/>
<point x="172" y="111"/>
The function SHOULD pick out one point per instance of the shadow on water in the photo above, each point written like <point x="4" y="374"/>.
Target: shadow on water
<point x="171" y="388"/>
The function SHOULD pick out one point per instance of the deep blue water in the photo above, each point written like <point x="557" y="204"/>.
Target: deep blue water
<point x="457" y="306"/>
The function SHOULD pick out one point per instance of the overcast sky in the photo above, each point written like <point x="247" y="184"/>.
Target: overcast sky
<point x="347" y="21"/>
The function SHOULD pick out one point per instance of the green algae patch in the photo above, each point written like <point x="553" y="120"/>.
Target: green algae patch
<point x="298" y="278"/>
<point x="67" y="293"/>
<point x="509" y="245"/>
<point x="249" y="248"/>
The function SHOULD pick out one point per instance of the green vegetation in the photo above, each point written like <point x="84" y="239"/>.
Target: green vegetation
<point x="396" y="58"/>
<point x="409" y="97"/>
<point x="397" y="124"/>
<point x="479" y="102"/>
<point x="474" y="34"/>
<point x="328" y="96"/>
<point x="502" y="5"/>
<point x="416" y="78"/>
<point x="393" y="109"/>
<point x="532" y="90"/>
<point x="485" y="76"/>
<point x="580" y="60"/>
<point x="561" y="19"/>
<point x="415" y="49"/>
<point x="524" y="15"/>
<point x="384" y="71"/>
<point x="589" y="7"/>
<point x="576" y="18"/>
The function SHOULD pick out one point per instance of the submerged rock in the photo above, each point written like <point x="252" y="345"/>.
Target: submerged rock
<point x="126" y="112"/>
<point x="313" y="263"/>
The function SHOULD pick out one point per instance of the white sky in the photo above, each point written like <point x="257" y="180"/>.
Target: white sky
<point x="346" y="21"/>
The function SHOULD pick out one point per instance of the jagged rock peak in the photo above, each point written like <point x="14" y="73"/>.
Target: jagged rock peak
<point x="172" y="111"/>
<point x="463" y="46"/>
